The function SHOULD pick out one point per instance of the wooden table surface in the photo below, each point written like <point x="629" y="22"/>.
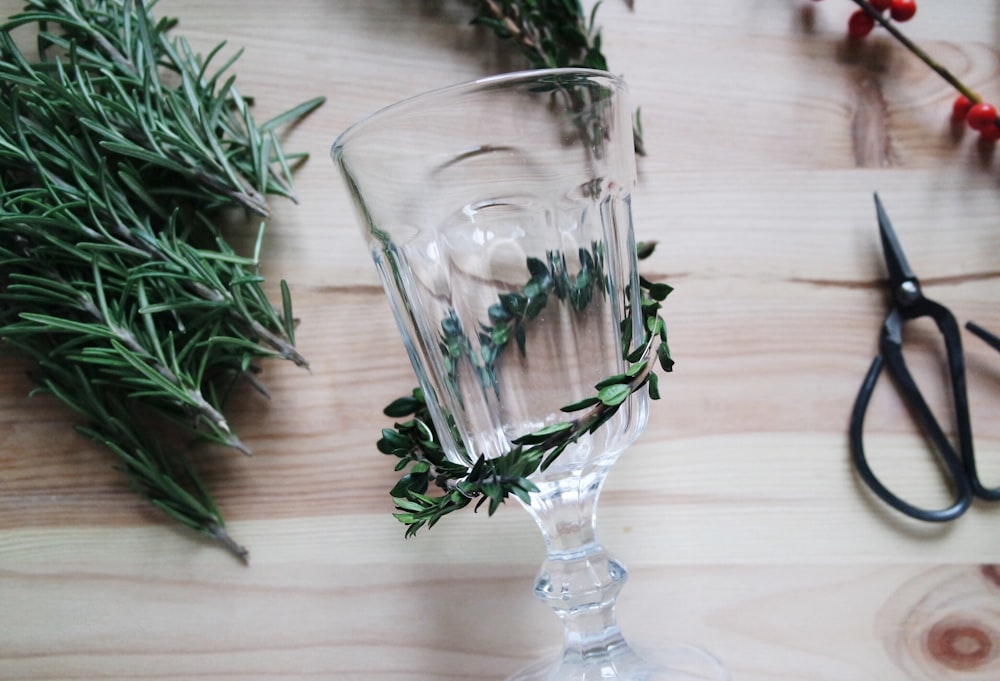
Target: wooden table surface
<point x="738" y="513"/>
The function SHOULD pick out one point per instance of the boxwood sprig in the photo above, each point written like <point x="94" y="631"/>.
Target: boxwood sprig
<point x="434" y="486"/>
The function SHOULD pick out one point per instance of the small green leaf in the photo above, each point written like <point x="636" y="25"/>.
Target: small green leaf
<point x="636" y="369"/>
<point x="500" y="336"/>
<point x="553" y="428"/>
<point x="639" y="352"/>
<point x="514" y="303"/>
<point x="533" y="290"/>
<point x="498" y="314"/>
<point x="543" y="434"/>
<point x="405" y="504"/>
<point x="582" y="404"/>
<point x="644" y="249"/>
<point x="404" y="406"/>
<point x="663" y="354"/>
<point x="538" y="269"/>
<point x="654" y="386"/>
<point x="659" y="292"/>
<point x="407" y="484"/>
<point x="521" y="494"/>
<point x="392" y="442"/>
<point x="613" y="380"/>
<point x="535" y="305"/>
<point x="615" y="394"/>
<point x="519" y="336"/>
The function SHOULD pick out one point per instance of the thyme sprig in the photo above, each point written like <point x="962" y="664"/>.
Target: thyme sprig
<point x="416" y="445"/>
<point x="120" y="148"/>
<point x="551" y="34"/>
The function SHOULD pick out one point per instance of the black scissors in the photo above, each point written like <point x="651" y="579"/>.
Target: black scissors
<point x="958" y="463"/>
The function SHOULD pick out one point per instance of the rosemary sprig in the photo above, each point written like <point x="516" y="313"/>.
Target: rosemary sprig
<point x="551" y="34"/>
<point x="415" y="443"/>
<point x="119" y="147"/>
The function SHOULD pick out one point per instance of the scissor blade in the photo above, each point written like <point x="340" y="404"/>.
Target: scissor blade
<point x="895" y="260"/>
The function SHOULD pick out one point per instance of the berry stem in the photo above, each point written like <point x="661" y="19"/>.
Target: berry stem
<point x="915" y="49"/>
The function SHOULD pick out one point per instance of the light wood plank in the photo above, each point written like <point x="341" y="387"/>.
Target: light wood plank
<point x="737" y="511"/>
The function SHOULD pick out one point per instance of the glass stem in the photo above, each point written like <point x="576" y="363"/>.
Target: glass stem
<point x="579" y="579"/>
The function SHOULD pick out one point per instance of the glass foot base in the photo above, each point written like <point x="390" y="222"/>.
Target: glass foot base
<point x="667" y="662"/>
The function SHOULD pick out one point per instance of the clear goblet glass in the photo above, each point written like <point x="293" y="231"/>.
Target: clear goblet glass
<point x="498" y="216"/>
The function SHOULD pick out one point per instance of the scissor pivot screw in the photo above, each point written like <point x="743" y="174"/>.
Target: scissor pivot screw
<point x="908" y="292"/>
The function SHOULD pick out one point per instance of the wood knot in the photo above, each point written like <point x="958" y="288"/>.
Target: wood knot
<point x="960" y="644"/>
<point x="991" y="573"/>
<point x="945" y="623"/>
<point x="870" y="136"/>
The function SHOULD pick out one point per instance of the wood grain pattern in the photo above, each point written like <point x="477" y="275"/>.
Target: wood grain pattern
<point x="737" y="511"/>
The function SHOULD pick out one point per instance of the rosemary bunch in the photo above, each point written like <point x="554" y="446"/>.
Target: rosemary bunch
<point x="551" y="34"/>
<point x="415" y="442"/>
<point x="119" y="148"/>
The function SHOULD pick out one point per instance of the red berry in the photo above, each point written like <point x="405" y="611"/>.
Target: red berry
<point x="880" y="5"/>
<point x="982" y="116"/>
<point x="960" y="109"/>
<point x="903" y="10"/>
<point x="860" y="24"/>
<point x="990" y="133"/>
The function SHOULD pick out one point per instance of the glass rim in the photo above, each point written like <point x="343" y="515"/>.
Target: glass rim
<point x="465" y="86"/>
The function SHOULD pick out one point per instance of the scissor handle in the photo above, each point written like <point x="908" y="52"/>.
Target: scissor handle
<point x="984" y="335"/>
<point x="980" y="490"/>
<point x="892" y="355"/>
<point x="891" y="346"/>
